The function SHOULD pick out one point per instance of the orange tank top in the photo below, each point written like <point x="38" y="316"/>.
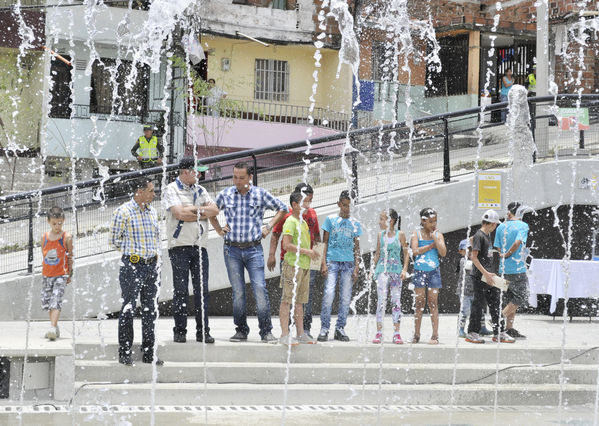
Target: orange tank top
<point x="54" y="253"/>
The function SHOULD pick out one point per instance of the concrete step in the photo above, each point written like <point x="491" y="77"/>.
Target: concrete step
<point x="341" y="373"/>
<point x="338" y="394"/>
<point x="224" y="351"/>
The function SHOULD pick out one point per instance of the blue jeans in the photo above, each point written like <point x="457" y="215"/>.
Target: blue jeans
<point x="503" y="98"/>
<point x="251" y="259"/>
<point x="184" y="260"/>
<point x="343" y="271"/>
<point x="138" y="279"/>
<point x="465" y="311"/>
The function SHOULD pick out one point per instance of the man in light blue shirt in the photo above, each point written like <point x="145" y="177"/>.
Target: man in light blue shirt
<point x="510" y="241"/>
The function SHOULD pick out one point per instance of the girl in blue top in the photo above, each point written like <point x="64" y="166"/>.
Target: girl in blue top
<point x="427" y="245"/>
<point x="390" y="271"/>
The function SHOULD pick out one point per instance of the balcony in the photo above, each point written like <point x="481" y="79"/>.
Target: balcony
<point x="269" y="112"/>
<point x="266" y="20"/>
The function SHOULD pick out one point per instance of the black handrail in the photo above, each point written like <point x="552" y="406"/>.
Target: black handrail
<point x="443" y="118"/>
<point x="286" y="146"/>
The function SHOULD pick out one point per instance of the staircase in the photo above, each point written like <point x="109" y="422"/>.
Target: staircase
<point x="335" y="373"/>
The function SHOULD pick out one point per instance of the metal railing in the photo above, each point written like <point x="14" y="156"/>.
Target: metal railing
<point x="278" y="113"/>
<point x="83" y="111"/>
<point x="376" y="159"/>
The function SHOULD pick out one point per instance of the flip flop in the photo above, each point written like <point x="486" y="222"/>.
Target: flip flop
<point x="434" y="340"/>
<point x="415" y="339"/>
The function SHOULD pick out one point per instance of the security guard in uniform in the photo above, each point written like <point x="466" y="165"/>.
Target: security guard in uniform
<point x="148" y="149"/>
<point x="532" y="82"/>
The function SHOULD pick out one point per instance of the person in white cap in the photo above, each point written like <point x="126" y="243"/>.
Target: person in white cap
<point x="484" y="291"/>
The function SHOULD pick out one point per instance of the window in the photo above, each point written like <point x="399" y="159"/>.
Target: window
<point x="272" y="80"/>
<point x="381" y="58"/>
<point x="60" y="73"/>
<point x="129" y="101"/>
<point x="279" y="4"/>
<point x="453" y="77"/>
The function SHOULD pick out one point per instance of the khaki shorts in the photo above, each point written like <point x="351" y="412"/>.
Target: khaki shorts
<point x="302" y="279"/>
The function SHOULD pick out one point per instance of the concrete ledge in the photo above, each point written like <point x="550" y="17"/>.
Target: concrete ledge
<point x="231" y="394"/>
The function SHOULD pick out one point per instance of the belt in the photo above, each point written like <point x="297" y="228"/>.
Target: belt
<point x="243" y="245"/>
<point x="135" y="258"/>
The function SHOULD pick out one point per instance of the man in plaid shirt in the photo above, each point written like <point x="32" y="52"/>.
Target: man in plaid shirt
<point x="244" y="207"/>
<point x="136" y="233"/>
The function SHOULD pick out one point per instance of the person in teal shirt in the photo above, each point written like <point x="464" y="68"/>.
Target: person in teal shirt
<point x="341" y="239"/>
<point x="510" y="242"/>
<point x="390" y="271"/>
<point x="506" y="84"/>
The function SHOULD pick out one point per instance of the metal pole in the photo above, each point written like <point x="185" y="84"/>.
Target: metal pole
<point x="171" y="119"/>
<point x="30" y="245"/>
<point x="255" y="171"/>
<point x="354" y="172"/>
<point x="532" y="107"/>
<point x="446" y="169"/>
<point x="581" y="139"/>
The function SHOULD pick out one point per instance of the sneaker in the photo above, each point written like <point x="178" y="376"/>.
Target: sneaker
<point x="51" y="334"/>
<point x="179" y="338"/>
<point x="462" y="333"/>
<point x="159" y="362"/>
<point x="484" y="331"/>
<point x="504" y="338"/>
<point x="126" y="360"/>
<point x="512" y="332"/>
<point x="397" y="339"/>
<point x="340" y="335"/>
<point x="57" y="332"/>
<point x="306" y="339"/>
<point x="323" y="336"/>
<point x="307" y="333"/>
<point x="288" y="341"/>
<point x="269" y="338"/>
<point x="238" y="337"/>
<point x="206" y="337"/>
<point x="474" y="338"/>
<point x="378" y="338"/>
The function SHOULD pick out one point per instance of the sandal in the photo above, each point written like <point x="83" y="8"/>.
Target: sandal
<point x="416" y="338"/>
<point x="434" y="340"/>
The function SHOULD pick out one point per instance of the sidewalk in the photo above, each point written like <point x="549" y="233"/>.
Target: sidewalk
<point x="541" y="331"/>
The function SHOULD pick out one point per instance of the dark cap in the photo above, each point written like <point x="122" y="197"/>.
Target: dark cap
<point x="189" y="163"/>
<point x="148" y="127"/>
<point x="513" y="207"/>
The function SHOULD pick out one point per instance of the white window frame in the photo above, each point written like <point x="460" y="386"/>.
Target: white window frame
<point x="271" y="81"/>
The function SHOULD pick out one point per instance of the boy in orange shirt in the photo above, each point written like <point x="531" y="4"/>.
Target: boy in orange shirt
<point x="57" y="268"/>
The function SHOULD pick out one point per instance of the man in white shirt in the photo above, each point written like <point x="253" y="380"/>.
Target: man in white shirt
<point x="214" y="98"/>
<point x="189" y="207"/>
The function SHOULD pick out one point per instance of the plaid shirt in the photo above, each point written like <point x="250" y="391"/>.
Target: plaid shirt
<point x="245" y="213"/>
<point x="134" y="231"/>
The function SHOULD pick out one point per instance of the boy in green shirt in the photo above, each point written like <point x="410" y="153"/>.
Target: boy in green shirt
<point x="295" y="274"/>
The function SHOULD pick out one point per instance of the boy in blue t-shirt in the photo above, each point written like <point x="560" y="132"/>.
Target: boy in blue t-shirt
<point x="510" y="241"/>
<point x="340" y="260"/>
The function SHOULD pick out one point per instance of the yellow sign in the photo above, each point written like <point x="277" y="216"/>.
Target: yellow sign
<point x="489" y="191"/>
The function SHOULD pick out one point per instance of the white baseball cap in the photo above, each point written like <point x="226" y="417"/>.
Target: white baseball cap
<point x="491" y="216"/>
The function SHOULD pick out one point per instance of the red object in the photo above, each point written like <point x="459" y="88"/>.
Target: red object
<point x="311" y="219"/>
<point x="54" y="257"/>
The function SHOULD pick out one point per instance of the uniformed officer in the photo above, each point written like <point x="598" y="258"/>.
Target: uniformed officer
<point x="148" y="149"/>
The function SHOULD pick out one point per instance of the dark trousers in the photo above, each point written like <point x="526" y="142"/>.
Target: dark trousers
<point x="186" y="260"/>
<point x="485" y="295"/>
<point x="138" y="279"/>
